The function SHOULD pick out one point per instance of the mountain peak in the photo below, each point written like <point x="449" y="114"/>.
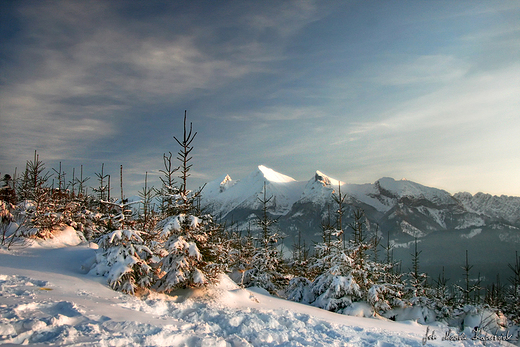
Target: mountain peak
<point x="325" y="180"/>
<point x="273" y="176"/>
<point x="226" y="183"/>
<point x="226" y="179"/>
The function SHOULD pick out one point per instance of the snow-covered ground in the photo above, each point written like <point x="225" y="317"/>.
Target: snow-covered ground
<point x="47" y="298"/>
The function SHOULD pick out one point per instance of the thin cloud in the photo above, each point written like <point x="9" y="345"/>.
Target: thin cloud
<point x="345" y="88"/>
<point x="90" y="67"/>
<point x="422" y="70"/>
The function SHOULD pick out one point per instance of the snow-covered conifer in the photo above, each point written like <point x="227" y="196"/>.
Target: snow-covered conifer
<point x="443" y="299"/>
<point x="418" y="293"/>
<point x="334" y="287"/>
<point x="298" y="289"/>
<point x="512" y="308"/>
<point x="189" y="257"/>
<point x="267" y="268"/>
<point x="122" y="258"/>
<point x="7" y="190"/>
<point x="348" y="275"/>
<point x="6" y="220"/>
<point x="299" y="264"/>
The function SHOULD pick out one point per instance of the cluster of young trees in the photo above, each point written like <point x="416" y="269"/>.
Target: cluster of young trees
<point x="346" y="270"/>
<point x="178" y="245"/>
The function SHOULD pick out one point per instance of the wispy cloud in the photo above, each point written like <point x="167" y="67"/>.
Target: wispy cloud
<point x="407" y="70"/>
<point x="356" y="90"/>
<point x="90" y="67"/>
<point x="464" y="126"/>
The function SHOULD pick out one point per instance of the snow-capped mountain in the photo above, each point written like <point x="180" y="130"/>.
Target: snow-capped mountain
<point x="499" y="207"/>
<point x="445" y="224"/>
<point x="399" y="206"/>
<point x="223" y="196"/>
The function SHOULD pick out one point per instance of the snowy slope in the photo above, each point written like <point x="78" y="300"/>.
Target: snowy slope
<point x="319" y="189"/>
<point x="499" y="207"/>
<point x="246" y="193"/>
<point x="45" y="298"/>
<point x="386" y="192"/>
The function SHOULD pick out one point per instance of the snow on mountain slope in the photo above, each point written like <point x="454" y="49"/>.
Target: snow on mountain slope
<point x="247" y="193"/>
<point x="499" y="207"/>
<point x="404" y="187"/>
<point x="218" y="186"/>
<point x="319" y="189"/>
<point x="225" y="194"/>
<point x="398" y="206"/>
<point x="45" y="298"/>
<point x="273" y="176"/>
<point x="388" y="191"/>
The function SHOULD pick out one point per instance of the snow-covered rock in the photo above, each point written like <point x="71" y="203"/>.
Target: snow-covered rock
<point x="498" y="207"/>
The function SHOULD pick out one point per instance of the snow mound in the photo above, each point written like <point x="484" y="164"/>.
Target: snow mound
<point x="61" y="238"/>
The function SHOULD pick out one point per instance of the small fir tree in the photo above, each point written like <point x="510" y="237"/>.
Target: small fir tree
<point x="123" y="259"/>
<point x="188" y="258"/>
<point x="267" y="268"/>
<point x="469" y="291"/>
<point x="512" y="308"/>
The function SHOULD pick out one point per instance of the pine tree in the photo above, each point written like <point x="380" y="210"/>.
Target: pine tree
<point x="443" y="298"/>
<point x="189" y="258"/>
<point x="168" y="191"/>
<point x="242" y="251"/>
<point x="347" y="274"/>
<point x="39" y="211"/>
<point x="147" y="218"/>
<point x="512" y="308"/>
<point x="7" y="190"/>
<point x="7" y="201"/>
<point x="417" y="283"/>
<point x="267" y="269"/>
<point x="300" y="258"/>
<point x="468" y="289"/>
<point x="102" y="189"/>
<point x="495" y="295"/>
<point x="119" y="213"/>
<point x="34" y="181"/>
<point x="122" y="258"/>
<point x="335" y="288"/>
<point x="81" y="183"/>
<point x="6" y="220"/>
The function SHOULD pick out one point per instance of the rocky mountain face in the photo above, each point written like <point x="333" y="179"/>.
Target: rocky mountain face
<point x="445" y="224"/>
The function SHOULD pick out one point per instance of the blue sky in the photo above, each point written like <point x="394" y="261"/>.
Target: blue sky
<point x="427" y="90"/>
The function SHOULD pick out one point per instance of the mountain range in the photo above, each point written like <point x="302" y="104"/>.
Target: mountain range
<point x="398" y="210"/>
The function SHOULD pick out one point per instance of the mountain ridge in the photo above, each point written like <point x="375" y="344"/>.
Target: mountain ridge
<point x="386" y="200"/>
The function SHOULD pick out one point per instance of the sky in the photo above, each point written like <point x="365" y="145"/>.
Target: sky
<point x="423" y="90"/>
